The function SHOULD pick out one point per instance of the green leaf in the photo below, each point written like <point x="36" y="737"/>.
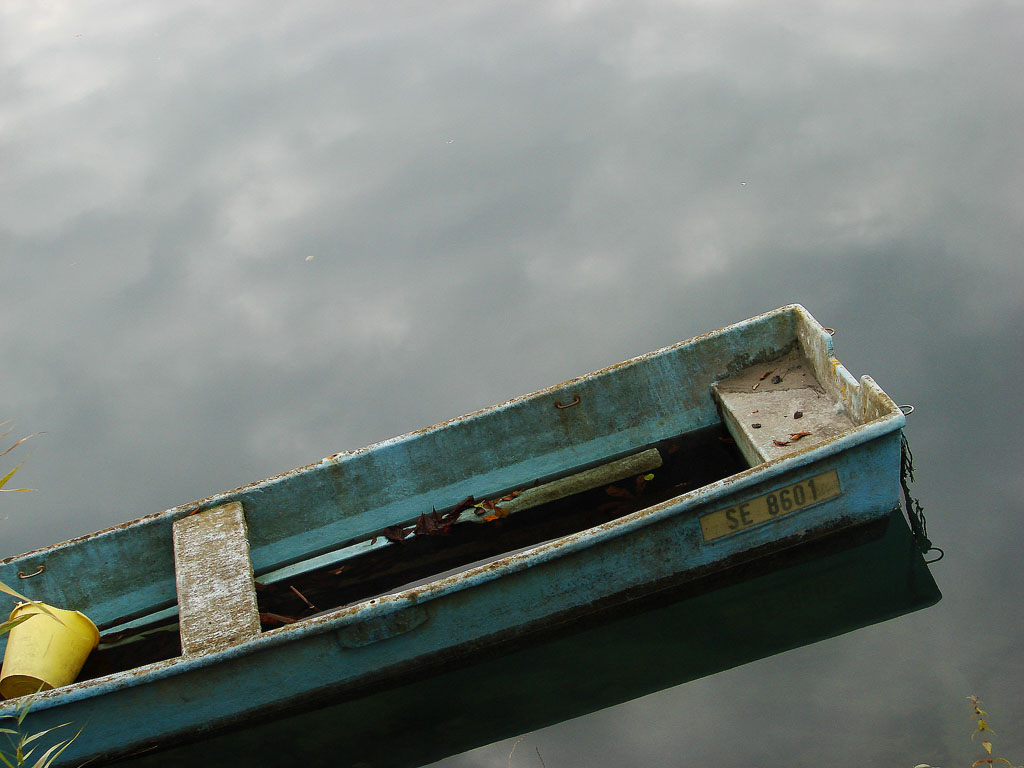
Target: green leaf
<point x="35" y="736"/>
<point x="9" y="591"/>
<point x="19" y="442"/>
<point x="24" y="708"/>
<point x="42" y="606"/>
<point x="7" y="626"/>
<point x="47" y="758"/>
<point x="3" y="480"/>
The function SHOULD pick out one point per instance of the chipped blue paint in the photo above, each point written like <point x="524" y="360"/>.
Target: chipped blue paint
<point x="128" y="571"/>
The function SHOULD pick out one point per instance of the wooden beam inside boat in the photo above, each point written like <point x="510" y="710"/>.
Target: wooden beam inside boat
<point x="638" y="463"/>
<point x="543" y="513"/>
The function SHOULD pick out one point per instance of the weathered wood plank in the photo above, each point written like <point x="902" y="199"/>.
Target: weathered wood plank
<point x="645" y="461"/>
<point x="775" y="408"/>
<point x="216" y="595"/>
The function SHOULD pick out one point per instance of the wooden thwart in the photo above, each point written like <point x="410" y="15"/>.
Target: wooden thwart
<point x="216" y="594"/>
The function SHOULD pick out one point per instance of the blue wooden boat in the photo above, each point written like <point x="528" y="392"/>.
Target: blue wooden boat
<point x="700" y="506"/>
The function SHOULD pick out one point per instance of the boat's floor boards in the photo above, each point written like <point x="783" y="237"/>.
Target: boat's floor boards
<point x="777" y="407"/>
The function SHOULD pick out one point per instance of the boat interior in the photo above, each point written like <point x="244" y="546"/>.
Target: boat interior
<point x="408" y="556"/>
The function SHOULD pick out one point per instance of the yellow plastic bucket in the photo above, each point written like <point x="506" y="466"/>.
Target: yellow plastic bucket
<point x="43" y="653"/>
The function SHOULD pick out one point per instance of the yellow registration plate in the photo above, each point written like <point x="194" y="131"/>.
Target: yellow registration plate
<point x="770" y="506"/>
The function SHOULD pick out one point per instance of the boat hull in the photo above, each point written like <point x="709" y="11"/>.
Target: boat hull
<point x="542" y="634"/>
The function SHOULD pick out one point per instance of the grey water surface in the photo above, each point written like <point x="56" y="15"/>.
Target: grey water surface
<point x="238" y="237"/>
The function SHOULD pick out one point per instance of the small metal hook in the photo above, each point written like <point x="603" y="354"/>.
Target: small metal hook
<point x="23" y="575"/>
<point x="830" y="331"/>
<point x="576" y="401"/>
<point x="907" y="409"/>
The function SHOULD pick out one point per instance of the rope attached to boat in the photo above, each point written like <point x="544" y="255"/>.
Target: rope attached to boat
<point x="913" y="508"/>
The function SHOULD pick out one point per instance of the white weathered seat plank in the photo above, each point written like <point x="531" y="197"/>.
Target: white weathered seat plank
<point x="216" y="594"/>
<point x="775" y="408"/>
